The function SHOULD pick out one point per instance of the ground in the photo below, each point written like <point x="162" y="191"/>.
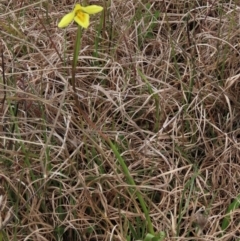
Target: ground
<point x="143" y="145"/>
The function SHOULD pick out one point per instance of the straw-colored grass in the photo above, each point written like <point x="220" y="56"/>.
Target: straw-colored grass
<point x="157" y="86"/>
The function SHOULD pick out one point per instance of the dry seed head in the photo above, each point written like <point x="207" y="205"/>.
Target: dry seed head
<point x="199" y="219"/>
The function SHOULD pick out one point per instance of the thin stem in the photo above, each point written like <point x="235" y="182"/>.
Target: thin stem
<point x="75" y="56"/>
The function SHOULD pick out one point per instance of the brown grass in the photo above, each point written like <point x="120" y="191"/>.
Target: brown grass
<point x="162" y="84"/>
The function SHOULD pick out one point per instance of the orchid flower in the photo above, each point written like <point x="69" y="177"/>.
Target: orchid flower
<point x="80" y="15"/>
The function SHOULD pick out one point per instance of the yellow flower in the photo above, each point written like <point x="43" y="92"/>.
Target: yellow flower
<point x="80" y="15"/>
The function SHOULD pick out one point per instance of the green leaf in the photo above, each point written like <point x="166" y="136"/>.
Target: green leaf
<point x="157" y="237"/>
<point x="234" y="205"/>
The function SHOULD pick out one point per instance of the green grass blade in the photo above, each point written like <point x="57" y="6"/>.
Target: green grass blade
<point x="132" y="182"/>
<point x="233" y="206"/>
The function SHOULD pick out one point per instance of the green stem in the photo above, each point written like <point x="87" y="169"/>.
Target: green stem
<point x="75" y="56"/>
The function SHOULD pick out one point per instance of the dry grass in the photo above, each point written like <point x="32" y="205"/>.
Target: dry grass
<point x="160" y="79"/>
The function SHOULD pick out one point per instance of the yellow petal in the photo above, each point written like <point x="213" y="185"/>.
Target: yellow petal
<point x="66" y="20"/>
<point x="82" y="19"/>
<point x="92" y="9"/>
<point x="77" y="7"/>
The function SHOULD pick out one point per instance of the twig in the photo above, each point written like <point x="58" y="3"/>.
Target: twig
<point x="4" y="81"/>
<point x="47" y="32"/>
